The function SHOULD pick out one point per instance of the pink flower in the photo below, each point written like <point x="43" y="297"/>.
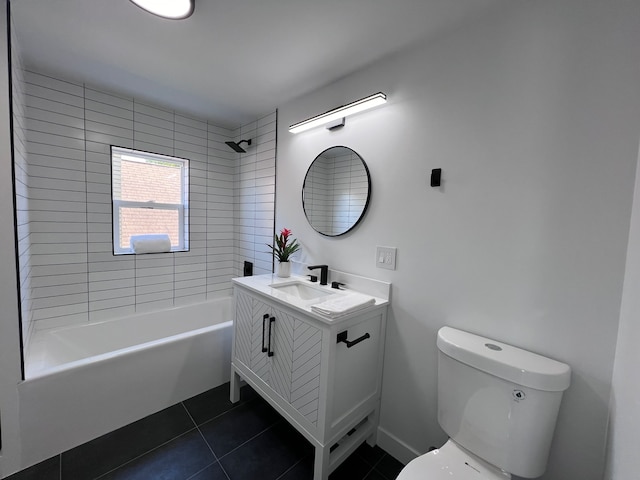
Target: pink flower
<point x="281" y="248"/>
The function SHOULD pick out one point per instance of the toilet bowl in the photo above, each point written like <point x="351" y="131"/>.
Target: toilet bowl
<point x="450" y="462"/>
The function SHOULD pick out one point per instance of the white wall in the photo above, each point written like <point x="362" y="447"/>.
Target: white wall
<point x="623" y="460"/>
<point x="533" y="114"/>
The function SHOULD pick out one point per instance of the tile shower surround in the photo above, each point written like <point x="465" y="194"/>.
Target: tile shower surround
<point x="207" y="437"/>
<point x="64" y="131"/>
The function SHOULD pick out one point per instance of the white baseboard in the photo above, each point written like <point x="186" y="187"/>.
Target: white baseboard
<point x="396" y="447"/>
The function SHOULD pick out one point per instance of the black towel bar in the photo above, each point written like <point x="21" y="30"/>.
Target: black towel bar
<point x="342" y="337"/>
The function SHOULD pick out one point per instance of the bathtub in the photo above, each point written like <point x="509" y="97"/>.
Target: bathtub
<point x="87" y="380"/>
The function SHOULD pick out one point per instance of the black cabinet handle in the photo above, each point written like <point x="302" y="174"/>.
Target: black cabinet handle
<point x="272" y="320"/>
<point x="264" y="318"/>
<point x="342" y="337"/>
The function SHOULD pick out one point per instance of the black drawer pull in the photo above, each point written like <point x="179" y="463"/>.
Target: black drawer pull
<point x="264" y="318"/>
<point x="342" y="337"/>
<point x="272" y="320"/>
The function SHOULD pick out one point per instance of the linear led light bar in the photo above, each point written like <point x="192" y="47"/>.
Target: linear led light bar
<point x="340" y="112"/>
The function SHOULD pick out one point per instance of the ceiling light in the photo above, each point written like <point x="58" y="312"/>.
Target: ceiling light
<point x="340" y="112"/>
<point x="173" y="9"/>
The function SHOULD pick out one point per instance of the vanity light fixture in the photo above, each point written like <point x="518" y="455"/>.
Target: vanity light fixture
<point x="171" y="9"/>
<point x="340" y="112"/>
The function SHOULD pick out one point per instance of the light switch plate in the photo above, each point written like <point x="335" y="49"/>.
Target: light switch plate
<point x="386" y="257"/>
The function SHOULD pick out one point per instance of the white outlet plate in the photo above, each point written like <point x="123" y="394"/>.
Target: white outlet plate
<point x="386" y="257"/>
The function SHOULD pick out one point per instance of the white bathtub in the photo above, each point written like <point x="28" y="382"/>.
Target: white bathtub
<point x="84" y="381"/>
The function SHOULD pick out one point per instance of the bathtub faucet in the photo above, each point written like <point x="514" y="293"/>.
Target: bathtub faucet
<point x="324" y="272"/>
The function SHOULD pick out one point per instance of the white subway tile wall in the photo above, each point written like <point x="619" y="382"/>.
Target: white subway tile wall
<point x="66" y="208"/>
<point x="318" y="195"/>
<point x="255" y="200"/>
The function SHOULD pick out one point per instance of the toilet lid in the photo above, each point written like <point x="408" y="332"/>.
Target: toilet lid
<point x="450" y="462"/>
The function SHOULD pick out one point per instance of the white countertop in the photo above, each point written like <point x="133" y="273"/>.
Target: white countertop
<point x="263" y="284"/>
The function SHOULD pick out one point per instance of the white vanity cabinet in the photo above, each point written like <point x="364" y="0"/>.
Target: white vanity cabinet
<point x="292" y="357"/>
<point x="293" y="373"/>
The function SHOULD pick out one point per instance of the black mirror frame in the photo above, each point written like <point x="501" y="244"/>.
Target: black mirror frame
<point x="366" y="205"/>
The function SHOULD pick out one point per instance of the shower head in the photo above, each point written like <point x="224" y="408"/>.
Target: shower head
<point x="236" y="145"/>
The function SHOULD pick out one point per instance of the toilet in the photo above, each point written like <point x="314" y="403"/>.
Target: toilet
<point x="498" y="404"/>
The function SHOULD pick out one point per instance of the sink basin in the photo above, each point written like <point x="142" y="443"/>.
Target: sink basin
<point x="301" y="290"/>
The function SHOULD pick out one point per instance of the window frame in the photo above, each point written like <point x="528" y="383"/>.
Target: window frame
<point x="181" y="208"/>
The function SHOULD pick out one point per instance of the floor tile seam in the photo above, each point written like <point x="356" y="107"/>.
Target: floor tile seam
<point x="372" y="466"/>
<point x="189" y="414"/>
<point x="292" y="467"/>
<point x="203" y="469"/>
<point x="386" y="477"/>
<point x="249" y="440"/>
<point x="207" y="444"/>
<point x="382" y="474"/>
<point x="143" y="454"/>
<point x="377" y="462"/>
<point x="176" y="435"/>
<point x="371" y="470"/>
<point x="224" y="471"/>
<point x="235" y="405"/>
<point x="366" y="460"/>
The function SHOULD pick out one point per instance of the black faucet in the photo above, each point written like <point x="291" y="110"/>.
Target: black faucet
<point x="324" y="272"/>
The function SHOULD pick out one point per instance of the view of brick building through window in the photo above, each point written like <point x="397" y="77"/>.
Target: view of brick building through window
<point x="160" y="183"/>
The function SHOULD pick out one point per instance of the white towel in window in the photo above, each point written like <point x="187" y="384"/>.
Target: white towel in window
<point x="339" y="306"/>
<point x="150" y="243"/>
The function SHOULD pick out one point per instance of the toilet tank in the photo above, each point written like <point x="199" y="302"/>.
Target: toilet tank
<point x="498" y="401"/>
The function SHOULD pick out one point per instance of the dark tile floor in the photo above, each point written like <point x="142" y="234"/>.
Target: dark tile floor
<point x="207" y="438"/>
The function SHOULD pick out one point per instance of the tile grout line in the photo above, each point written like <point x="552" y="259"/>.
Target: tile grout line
<point x="201" y="434"/>
<point x="245" y="443"/>
<point x="292" y="467"/>
<point x="376" y="464"/>
<point x="235" y="405"/>
<point x="249" y="440"/>
<point x="189" y="414"/>
<point x="209" y="446"/>
<point x="200" y="471"/>
<point x="102" y="475"/>
<point x="366" y="476"/>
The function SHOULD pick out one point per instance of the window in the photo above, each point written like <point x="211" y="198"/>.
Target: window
<point x="150" y="195"/>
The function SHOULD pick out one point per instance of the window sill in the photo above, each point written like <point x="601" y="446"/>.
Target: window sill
<point x="177" y="250"/>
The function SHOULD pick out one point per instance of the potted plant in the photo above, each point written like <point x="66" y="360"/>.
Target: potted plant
<point x="283" y="247"/>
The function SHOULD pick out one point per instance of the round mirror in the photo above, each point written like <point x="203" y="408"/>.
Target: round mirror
<point x="336" y="191"/>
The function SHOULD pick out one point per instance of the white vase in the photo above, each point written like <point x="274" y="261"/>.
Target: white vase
<point x="284" y="269"/>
